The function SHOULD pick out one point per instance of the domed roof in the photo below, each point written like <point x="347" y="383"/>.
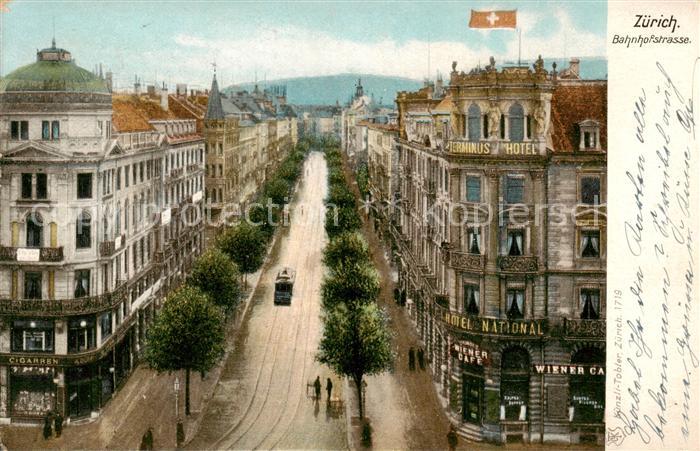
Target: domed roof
<point x="54" y="70"/>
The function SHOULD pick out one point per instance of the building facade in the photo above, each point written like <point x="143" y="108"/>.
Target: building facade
<point x="90" y="237"/>
<point x="501" y="248"/>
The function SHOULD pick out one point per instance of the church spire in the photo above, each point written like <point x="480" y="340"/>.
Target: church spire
<point x="214" y="109"/>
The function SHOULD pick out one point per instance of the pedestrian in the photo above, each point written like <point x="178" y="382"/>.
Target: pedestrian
<point x="317" y="387"/>
<point x="329" y="388"/>
<point x="58" y="423"/>
<point x="452" y="439"/>
<point x="411" y="360"/>
<point x="397" y="296"/>
<point x="421" y="358"/>
<point x="47" y="426"/>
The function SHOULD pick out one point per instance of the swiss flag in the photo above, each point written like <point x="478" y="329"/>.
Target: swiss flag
<point x="492" y="19"/>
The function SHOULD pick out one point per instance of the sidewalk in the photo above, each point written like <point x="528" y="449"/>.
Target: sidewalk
<point x="145" y="400"/>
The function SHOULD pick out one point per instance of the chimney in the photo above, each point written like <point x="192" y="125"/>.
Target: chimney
<point x="108" y="78"/>
<point x="574" y="66"/>
<point x="164" y="97"/>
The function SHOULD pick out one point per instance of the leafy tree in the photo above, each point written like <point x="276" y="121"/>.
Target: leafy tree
<point x="277" y="190"/>
<point x="187" y="334"/>
<point x="289" y="170"/>
<point x="356" y="343"/>
<point x="341" y="196"/>
<point x="362" y="178"/>
<point x="350" y="284"/>
<point x="264" y="219"/>
<point x="245" y="245"/>
<point x="218" y="277"/>
<point x="339" y="220"/>
<point x="346" y="248"/>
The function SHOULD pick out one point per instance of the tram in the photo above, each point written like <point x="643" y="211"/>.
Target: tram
<point x="284" y="286"/>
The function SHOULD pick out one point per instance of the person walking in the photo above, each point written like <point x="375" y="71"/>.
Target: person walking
<point x="329" y="388"/>
<point x="411" y="359"/>
<point x="317" y="387"/>
<point x="47" y="426"/>
<point x="58" y="423"/>
<point x="421" y="358"/>
<point x="452" y="440"/>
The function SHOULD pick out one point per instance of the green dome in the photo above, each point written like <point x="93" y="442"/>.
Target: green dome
<point x="63" y="76"/>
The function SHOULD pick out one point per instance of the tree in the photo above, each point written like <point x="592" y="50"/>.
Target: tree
<point x="356" y="342"/>
<point x="217" y="276"/>
<point x="277" y="190"/>
<point x="265" y="218"/>
<point x="350" y="284"/>
<point x="188" y="334"/>
<point x="346" y="248"/>
<point x="341" y="197"/>
<point x="245" y="245"/>
<point x="339" y="220"/>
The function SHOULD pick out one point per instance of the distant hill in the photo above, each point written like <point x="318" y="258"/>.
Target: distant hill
<point x="326" y="90"/>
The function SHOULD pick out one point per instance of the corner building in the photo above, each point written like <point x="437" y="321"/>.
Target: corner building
<point x="501" y="248"/>
<point x="93" y="233"/>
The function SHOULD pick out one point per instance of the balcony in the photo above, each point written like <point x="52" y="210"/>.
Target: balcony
<point x="47" y="307"/>
<point x="584" y="328"/>
<point x="517" y="263"/>
<point x="31" y="254"/>
<point x="465" y="261"/>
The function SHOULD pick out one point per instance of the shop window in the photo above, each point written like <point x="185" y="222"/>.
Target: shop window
<point x="35" y="230"/>
<point x="473" y="189"/>
<point x="474" y="123"/>
<point x="32" y="390"/>
<point x="83" y="227"/>
<point x="514" y="243"/>
<point x="26" y="186"/>
<point x="106" y="325"/>
<point x="474" y="240"/>
<point x="590" y="190"/>
<point x="82" y="283"/>
<point x="515" y="300"/>
<point x="32" y="336"/>
<point x="587" y="391"/>
<point x="472" y="394"/>
<point x="515" y="187"/>
<point x="32" y="285"/>
<point x="81" y="334"/>
<point x="590" y="243"/>
<point x="515" y="384"/>
<point x="41" y="192"/>
<point x="85" y="186"/>
<point x="589" y="303"/>
<point x="471" y="299"/>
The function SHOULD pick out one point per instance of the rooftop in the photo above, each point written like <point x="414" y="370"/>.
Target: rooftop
<point x="131" y="113"/>
<point x="573" y="103"/>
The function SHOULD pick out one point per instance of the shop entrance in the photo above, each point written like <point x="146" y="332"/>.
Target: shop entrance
<point x="82" y="390"/>
<point x="472" y="398"/>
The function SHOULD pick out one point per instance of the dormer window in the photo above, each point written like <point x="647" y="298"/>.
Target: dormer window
<point x="589" y="135"/>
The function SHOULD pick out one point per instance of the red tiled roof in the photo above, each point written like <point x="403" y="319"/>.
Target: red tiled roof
<point x="574" y="103"/>
<point x="132" y="113"/>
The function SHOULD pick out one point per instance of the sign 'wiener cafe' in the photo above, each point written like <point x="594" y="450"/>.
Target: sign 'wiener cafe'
<point x="493" y="326"/>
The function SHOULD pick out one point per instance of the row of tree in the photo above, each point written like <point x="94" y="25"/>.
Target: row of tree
<point x="189" y="331"/>
<point x="356" y="340"/>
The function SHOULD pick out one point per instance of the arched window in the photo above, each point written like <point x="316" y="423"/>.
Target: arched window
<point x="474" y="123"/>
<point x="83" y="224"/>
<point x="515" y="384"/>
<point x="35" y="230"/>
<point x="587" y="390"/>
<point x="516" y="129"/>
<point x="516" y="123"/>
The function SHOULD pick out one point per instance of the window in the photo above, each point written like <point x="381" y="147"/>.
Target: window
<point x="45" y="130"/>
<point x="55" y="130"/>
<point x="514" y="189"/>
<point x="133" y="173"/>
<point x="32" y="285"/>
<point x="587" y="392"/>
<point x="119" y="179"/>
<point x="515" y="123"/>
<point x="515" y="299"/>
<point x="82" y="283"/>
<point x="81" y="334"/>
<point x="589" y="140"/>
<point x="84" y="186"/>
<point x="474" y="240"/>
<point x="590" y="243"/>
<point x="474" y="122"/>
<point x="502" y="126"/>
<point x="515" y="384"/>
<point x="41" y="186"/>
<point x="26" y="186"/>
<point x="126" y="177"/>
<point x="528" y="126"/>
<point x="141" y="172"/>
<point x="514" y="243"/>
<point x="473" y="189"/>
<point x="19" y="130"/>
<point x="82" y="230"/>
<point x="590" y="190"/>
<point x="471" y="299"/>
<point x="589" y="303"/>
<point x="32" y="336"/>
<point x="106" y="325"/>
<point x="485" y="125"/>
<point x="35" y="230"/>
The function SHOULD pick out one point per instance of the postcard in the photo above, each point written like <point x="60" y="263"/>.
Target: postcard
<point x="349" y="225"/>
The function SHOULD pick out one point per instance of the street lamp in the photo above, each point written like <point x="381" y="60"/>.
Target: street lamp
<point x="176" y="387"/>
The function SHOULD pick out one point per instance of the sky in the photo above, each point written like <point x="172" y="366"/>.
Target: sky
<point x="177" y="41"/>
